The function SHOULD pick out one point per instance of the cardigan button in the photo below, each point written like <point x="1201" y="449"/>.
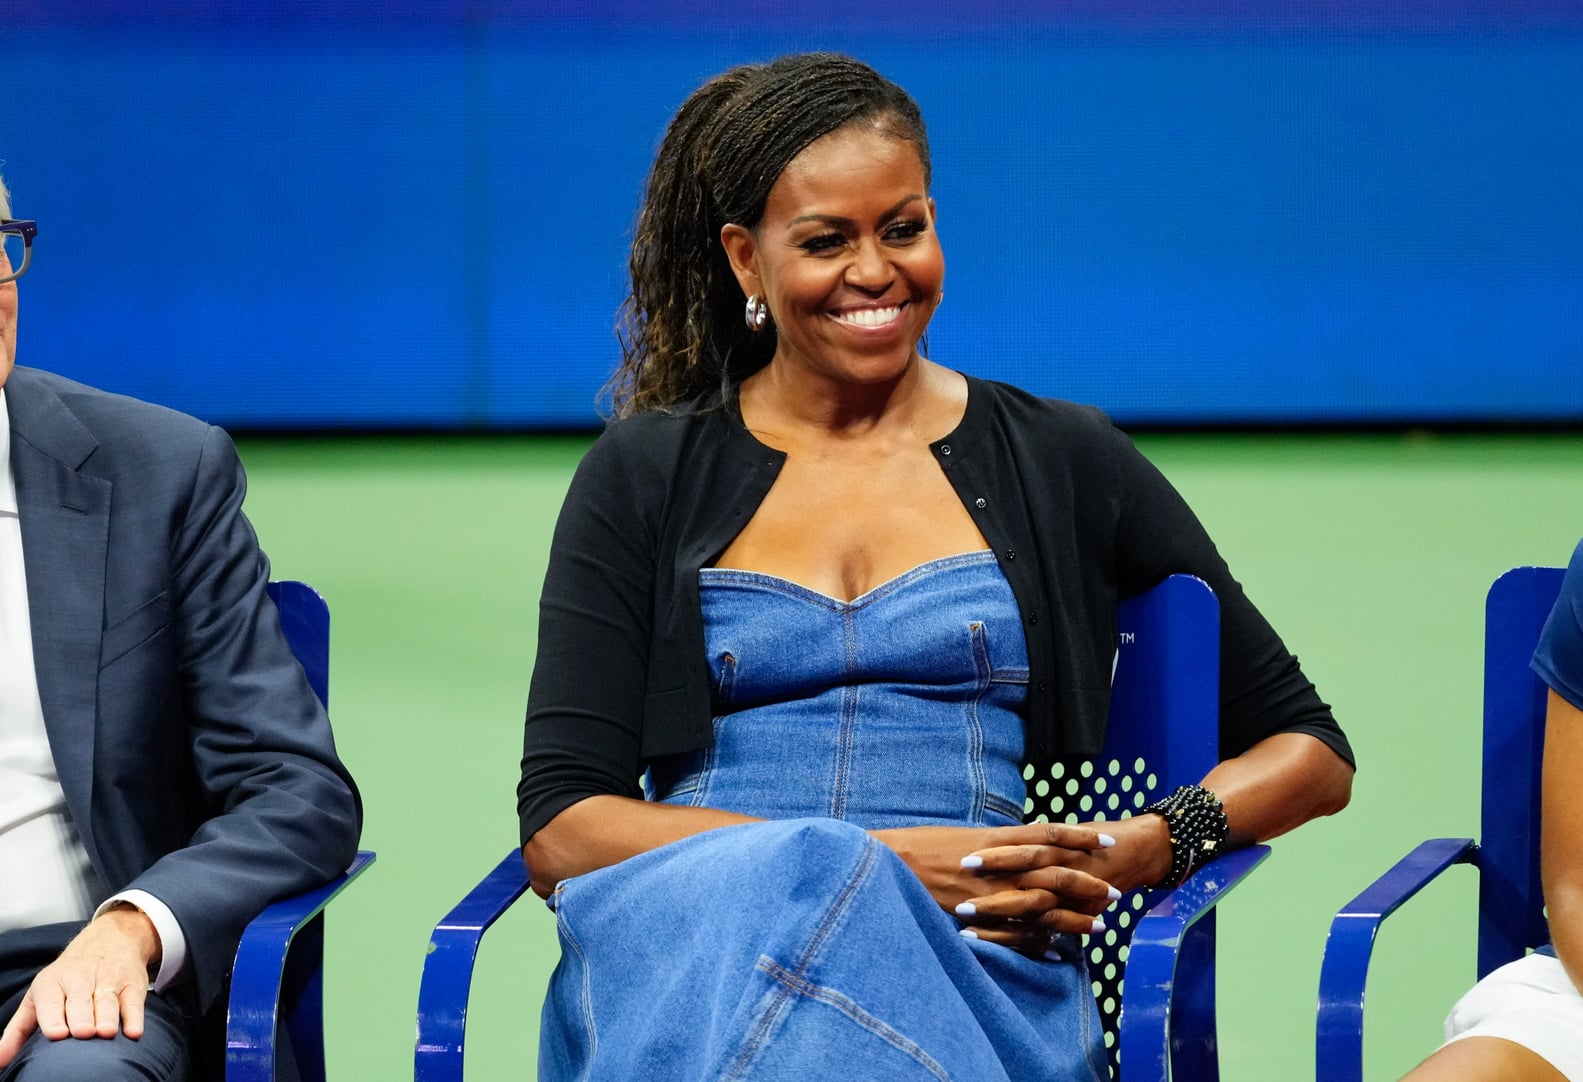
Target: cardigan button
<point x="981" y="502"/>
<point x="1041" y="685"/>
<point x="1011" y="554"/>
<point x="945" y="448"/>
<point x="1033" y="618"/>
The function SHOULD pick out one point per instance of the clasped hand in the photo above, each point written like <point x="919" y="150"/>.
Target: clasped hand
<point x="1016" y="886"/>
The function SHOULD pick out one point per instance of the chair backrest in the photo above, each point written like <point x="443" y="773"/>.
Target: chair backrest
<point x="1511" y="906"/>
<point x="305" y="621"/>
<point x="282" y="987"/>
<point x="1163" y="732"/>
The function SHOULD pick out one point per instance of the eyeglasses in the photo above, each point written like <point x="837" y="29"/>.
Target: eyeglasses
<point x="17" y="234"/>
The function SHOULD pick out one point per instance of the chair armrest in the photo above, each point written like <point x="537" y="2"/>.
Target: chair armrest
<point x="448" y="969"/>
<point x="1345" y="970"/>
<point x="278" y="971"/>
<point x="1150" y="993"/>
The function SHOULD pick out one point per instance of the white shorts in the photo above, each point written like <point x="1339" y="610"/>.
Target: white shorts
<point x="1531" y="1002"/>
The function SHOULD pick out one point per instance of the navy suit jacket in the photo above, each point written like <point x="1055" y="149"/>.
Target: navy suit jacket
<point x="197" y="762"/>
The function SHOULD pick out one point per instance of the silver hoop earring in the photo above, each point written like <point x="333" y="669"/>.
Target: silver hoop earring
<point x="757" y="313"/>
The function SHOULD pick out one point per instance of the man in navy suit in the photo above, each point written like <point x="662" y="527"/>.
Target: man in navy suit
<point x="165" y="769"/>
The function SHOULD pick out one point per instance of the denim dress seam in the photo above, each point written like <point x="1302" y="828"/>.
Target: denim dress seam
<point x="728" y="680"/>
<point x="569" y="939"/>
<point x="1099" y="1072"/>
<point x="848" y="1006"/>
<point x="996" y="803"/>
<point x="978" y="641"/>
<point x="700" y="793"/>
<point x="762" y="1030"/>
<point x="847" y="736"/>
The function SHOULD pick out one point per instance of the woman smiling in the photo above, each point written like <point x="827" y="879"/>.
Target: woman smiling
<point x="827" y="597"/>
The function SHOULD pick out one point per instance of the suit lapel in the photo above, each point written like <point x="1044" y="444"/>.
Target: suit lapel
<point x="65" y="518"/>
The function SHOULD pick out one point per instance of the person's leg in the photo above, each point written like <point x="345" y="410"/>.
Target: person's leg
<point x="25" y="951"/>
<point x="160" y="1055"/>
<point x="1522" y="1023"/>
<point x="1484" y="1059"/>
<point x="797" y="949"/>
<point x="681" y="961"/>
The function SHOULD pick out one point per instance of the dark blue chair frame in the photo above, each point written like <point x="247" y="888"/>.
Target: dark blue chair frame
<point x="1163" y="731"/>
<point x="278" y="977"/>
<point x="1511" y="906"/>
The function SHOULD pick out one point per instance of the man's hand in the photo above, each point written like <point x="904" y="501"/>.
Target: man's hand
<point x="96" y="987"/>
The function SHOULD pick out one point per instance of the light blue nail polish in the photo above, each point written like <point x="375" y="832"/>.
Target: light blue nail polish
<point x="966" y="909"/>
<point x="1106" y="841"/>
<point x="972" y="860"/>
<point x="1099" y="926"/>
<point x="1114" y="894"/>
<point x="1054" y="956"/>
<point x="968" y="933"/>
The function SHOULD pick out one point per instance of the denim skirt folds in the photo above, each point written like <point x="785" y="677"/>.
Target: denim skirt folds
<point x="800" y="947"/>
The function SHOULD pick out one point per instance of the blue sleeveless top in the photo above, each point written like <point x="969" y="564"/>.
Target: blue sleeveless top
<point x="902" y="707"/>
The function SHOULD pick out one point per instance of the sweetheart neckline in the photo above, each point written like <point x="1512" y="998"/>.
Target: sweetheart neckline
<point x="939" y="563"/>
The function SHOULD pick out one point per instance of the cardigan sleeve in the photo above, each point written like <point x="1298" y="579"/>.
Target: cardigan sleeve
<point x="583" y="730"/>
<point x="1262" y="688"/>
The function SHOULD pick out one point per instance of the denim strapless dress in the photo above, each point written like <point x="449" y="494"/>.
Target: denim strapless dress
<point x="800" y="947"/>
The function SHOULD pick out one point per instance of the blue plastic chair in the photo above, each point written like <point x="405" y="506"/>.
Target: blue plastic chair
<point x="1511" y="907"/>
<point x="278" y="977"/>
<point x="1163" y="731"/>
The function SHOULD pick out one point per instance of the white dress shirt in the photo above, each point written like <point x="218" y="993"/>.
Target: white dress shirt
<point x="48" y="876"/>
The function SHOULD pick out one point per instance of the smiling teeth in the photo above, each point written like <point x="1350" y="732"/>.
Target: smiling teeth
<point x="870" y="317"/>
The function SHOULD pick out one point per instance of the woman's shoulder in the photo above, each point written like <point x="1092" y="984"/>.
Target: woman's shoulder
<point x="1037" y="418"/>
<point x="655" y="420"/>
<point x="655" y="444"/>
<point x="668" y="426"/>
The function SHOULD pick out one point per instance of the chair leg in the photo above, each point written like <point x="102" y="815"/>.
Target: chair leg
<point x="302" y="1001"/>
<point x="1194" y="1053"/>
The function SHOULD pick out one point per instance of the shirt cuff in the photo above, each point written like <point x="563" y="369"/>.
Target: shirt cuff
<point x="172" y="944"/>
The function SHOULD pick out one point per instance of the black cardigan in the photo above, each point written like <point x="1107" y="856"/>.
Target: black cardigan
<point x="1077" y="517"/>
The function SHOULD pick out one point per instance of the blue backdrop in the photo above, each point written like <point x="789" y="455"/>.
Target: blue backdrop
<point x="416" y="213"/>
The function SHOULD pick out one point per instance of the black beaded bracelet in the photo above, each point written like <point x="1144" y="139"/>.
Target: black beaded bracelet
<point x="1198" y="829"/>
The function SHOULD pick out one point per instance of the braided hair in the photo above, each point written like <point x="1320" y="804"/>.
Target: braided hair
<point x="681" y="327"/>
